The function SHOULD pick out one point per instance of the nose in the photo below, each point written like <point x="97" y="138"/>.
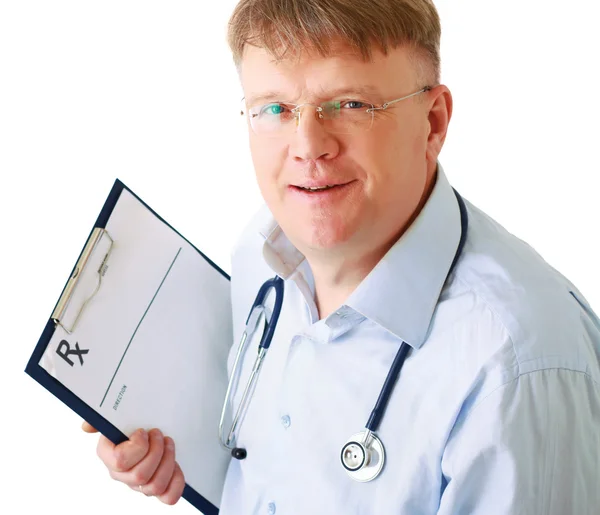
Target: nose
<point x="311" y="140"/>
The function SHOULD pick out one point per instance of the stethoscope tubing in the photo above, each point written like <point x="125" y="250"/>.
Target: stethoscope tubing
<point x="368" y="436"/>
<point x="401" y="355"/>
<point x="277" y="284"/>
<point x="388" y="388"/>
<point x="252" y="321"/>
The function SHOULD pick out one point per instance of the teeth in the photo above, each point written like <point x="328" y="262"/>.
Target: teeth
<point x="319" y="188"/>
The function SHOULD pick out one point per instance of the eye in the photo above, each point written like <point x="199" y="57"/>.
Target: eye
<point x="274" y="109"/>
<point x="335" y="108"/>
<point x="353" y="104"/>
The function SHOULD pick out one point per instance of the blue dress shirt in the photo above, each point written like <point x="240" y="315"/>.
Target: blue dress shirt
<point x="497" y="408"/>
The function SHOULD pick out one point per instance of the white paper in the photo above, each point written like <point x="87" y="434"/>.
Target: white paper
<point x="153" y="341"/>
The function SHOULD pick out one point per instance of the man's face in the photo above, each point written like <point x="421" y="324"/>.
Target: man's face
<point x="378" y="175"/>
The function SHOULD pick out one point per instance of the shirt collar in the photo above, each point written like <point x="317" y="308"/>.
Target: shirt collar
<point x="400" y="294"/>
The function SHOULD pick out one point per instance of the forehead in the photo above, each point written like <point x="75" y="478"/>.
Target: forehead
<point x="310" y="76"/>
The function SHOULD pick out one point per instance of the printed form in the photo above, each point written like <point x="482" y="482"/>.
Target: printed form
<point x="150" y="347"/>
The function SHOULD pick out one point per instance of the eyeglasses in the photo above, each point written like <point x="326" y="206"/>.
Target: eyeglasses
<point x="337" y="116"/>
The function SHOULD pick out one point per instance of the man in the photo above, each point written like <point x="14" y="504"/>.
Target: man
<point x="497" y="407"/>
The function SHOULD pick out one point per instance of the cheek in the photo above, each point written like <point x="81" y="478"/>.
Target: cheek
<point x="380" y="155"/>
<point x="398" y="148"/>
<point x="393" y="159"/>
<point x="268" y="162"/>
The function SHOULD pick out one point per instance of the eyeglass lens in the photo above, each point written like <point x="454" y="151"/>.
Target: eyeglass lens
<point x="336" y="116"/>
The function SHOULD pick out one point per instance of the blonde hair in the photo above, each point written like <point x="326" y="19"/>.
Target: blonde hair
<point x="290" y="26"/>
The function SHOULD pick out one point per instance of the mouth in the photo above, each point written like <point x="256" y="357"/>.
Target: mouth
<point x="321" y="193"/>
<point x="318" y="187"/>
<point x="313" y="189"/>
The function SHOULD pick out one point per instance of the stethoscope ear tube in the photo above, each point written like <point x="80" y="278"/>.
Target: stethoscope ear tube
<point x="277" y="284"/>
<point x="252" y="321"/>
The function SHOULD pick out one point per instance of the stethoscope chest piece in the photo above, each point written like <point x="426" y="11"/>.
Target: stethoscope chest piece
<point x="363" y="460"/>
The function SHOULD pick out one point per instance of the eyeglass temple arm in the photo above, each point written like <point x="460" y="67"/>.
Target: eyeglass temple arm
<point x="387" y="104"/>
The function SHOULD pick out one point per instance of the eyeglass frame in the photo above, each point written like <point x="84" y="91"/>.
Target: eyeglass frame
<point x="319" y="109"/>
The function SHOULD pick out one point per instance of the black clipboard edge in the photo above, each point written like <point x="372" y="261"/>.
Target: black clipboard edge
<point x="61" y="392"/>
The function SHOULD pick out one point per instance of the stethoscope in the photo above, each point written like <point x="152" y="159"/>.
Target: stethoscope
<point x="363" y="455"/>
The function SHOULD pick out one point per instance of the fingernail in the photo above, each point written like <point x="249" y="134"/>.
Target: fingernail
<point x="170" y="443"/>
<point x="144" y="434"/>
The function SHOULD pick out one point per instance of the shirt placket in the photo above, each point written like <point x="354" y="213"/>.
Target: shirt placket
<point x="288" y="471"/>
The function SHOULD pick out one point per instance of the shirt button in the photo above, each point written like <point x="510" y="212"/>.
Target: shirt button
<point x="272" y="508"/>
<point x="285" y="422"/>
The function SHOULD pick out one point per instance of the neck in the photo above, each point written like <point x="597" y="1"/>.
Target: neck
<point x="338" y="274"/>
<point x="336" y="277"/>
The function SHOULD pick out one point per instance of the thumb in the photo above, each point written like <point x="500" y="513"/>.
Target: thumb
<point x="88" y="428"/>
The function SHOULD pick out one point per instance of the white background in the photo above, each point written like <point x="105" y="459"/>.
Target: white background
<point x="146" y="92"/>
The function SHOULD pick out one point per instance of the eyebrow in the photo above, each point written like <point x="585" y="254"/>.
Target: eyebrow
<point x="264" y="97"/>
<point x="366" y="92"/>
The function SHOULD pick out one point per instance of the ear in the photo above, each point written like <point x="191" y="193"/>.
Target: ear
<point x="440" y="112"/>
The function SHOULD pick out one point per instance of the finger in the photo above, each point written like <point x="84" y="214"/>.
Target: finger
<point x="158" y="483"/>
<point x="87" y="427"/>
<point x="143" y="471"/>
<point x="123" y="457"/>
<point x="175" y="488"/>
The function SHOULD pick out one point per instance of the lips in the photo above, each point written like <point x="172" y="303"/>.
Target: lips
<point x="321" y="185"/>
<point x="325" y="194"/>
<point x="316" y="188"/>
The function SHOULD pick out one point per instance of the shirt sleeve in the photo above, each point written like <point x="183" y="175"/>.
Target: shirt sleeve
<point x="530" y="447"/>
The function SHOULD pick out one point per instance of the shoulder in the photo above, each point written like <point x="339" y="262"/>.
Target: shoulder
<point x="532" y="317"/>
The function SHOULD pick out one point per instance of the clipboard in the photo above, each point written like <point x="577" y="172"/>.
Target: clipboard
<point x="101" y="279"/>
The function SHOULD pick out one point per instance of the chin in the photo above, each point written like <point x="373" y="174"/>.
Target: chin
<point x="319" y="236"/>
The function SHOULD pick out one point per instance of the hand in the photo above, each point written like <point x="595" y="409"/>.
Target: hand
<point x="145" y="462"/>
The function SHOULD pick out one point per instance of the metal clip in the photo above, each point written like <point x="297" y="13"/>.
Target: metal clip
<point x="63" y="302"/>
